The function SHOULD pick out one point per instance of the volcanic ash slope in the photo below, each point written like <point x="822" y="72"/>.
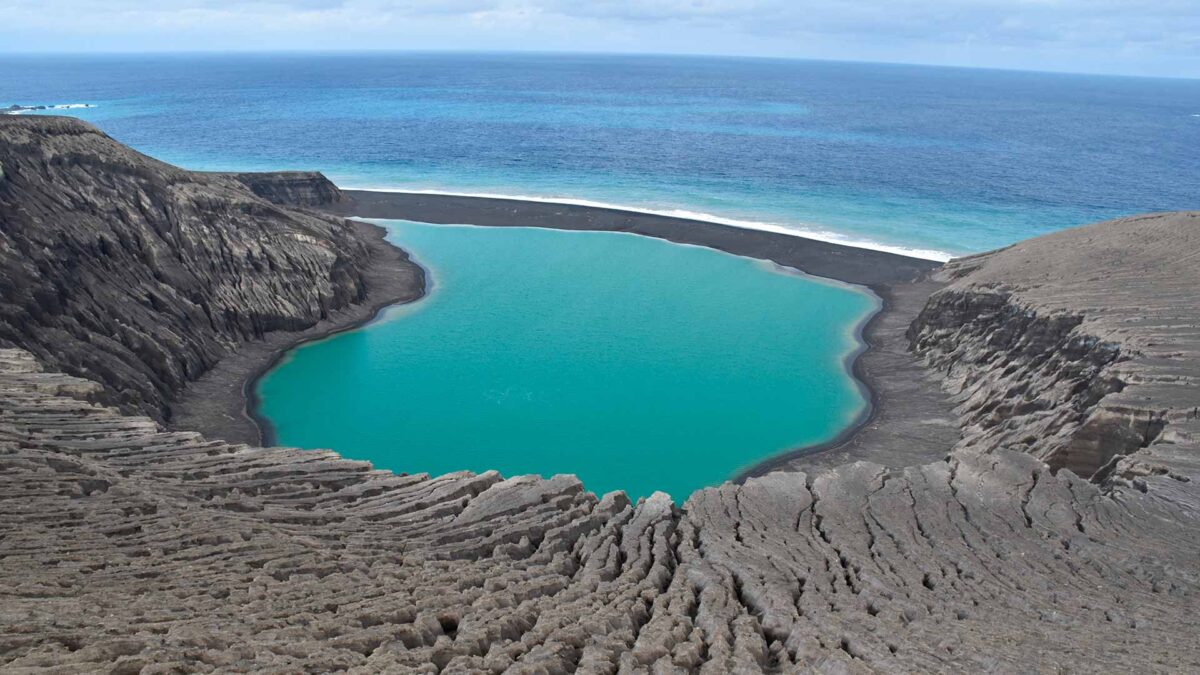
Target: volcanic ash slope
<point x="142" y="276"/>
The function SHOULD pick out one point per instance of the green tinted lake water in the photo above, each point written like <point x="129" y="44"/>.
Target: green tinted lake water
<point x="634" y="363"/>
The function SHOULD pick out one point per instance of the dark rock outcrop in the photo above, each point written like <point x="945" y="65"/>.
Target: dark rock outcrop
<point x="127" y="547"/>
<point x="16" y="109"/>
<point x="292" y="188"/>
<point x="141" y="276"/>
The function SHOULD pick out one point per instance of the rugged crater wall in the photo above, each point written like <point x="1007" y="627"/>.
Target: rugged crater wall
<point x="128" y="547"/>
<point x="1079" y="347"/>
<point x="142" y="276"/>
<point x="1025" y="381"/>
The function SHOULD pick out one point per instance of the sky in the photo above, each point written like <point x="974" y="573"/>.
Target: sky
<point x="1147" y="37"/>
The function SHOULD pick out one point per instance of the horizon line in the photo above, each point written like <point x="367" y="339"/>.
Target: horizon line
<point x="559" y="52"/>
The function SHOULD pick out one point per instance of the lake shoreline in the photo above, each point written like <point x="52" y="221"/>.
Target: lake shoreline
<point x="378" y="302"/>
<point x="889" y="276"/>
<point x="224" y="402"/>
<point x="226" y="399"/>
<point x="853" y="363"/>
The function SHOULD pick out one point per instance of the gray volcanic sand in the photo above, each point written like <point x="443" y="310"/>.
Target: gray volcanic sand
<point x="844" y="263"/>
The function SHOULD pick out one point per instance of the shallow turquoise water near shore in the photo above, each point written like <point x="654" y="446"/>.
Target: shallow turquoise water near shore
<point x="636" y="364"/>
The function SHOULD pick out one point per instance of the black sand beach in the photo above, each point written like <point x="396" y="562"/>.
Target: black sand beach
<point x="843" y="263"/>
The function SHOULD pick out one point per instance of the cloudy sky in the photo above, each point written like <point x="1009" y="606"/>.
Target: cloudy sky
<point x="1145" y="37"/>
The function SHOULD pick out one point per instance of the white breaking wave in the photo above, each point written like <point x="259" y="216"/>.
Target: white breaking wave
<point x="35" y="108"/>
<point x="778" y="228"/>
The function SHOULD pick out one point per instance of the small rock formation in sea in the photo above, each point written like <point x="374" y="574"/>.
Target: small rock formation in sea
<point x="1060" y="534"/>
<point x="16" y="109"/>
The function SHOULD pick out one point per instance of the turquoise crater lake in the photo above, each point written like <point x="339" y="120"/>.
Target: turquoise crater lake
<point x="636" y="364"/>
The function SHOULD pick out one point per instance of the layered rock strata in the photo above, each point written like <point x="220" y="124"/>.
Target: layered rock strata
<point x="292" y="188"/>
<point x="130" y="549"/>
<point x="1079" y="348"/>
<point x="142" y="276"/>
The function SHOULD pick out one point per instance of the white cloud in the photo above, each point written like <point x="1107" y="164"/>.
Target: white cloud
<point x="1153" y="36"/>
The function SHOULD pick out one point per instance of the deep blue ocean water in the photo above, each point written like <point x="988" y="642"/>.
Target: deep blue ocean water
<point x="939" y="159"/>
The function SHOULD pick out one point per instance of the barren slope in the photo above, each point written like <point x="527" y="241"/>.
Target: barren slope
<point x="1080" y="347"/>
<point x="128" y="547"/>
<point x="142" y="276"/>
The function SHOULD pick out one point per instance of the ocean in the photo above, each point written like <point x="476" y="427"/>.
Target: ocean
<point x="633" y="363"/>
<point x="930" y="161"/>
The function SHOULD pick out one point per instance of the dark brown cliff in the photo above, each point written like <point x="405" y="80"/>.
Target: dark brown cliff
<point x="292" y="188"/>
<point x="139" y="275"/>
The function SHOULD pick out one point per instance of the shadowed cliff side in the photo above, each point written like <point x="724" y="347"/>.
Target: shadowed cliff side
<point x="142" y="276"/>
<point x="291" y="188"/>
<point x="1081" y="348"/>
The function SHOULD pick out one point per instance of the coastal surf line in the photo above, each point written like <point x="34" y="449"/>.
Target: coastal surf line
<point x="17" y="109"/>
<point x="826" y="236"/>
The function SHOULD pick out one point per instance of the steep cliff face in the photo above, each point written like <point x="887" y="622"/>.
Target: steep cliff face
<point x="138" y="275"/>
<point x="292" y="188"/>
<point x="1022" y="381"/>
<point x="1079" y="348"/>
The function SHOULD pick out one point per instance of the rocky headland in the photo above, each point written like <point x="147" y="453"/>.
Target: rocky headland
<point x="144" y="277"/>
<point x="1057" y="531"/>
